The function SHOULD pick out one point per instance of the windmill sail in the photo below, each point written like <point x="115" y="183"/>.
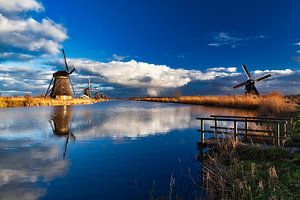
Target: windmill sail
<point x="250" y="84"/>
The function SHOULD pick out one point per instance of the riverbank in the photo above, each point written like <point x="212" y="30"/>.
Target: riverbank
<point x="271" y="103"/>
<point x="251" y="172"/>
<point x="42" y="101"/>
<point x="235" y="170"/>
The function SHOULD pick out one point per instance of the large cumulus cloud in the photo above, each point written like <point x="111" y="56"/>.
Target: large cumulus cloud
<point x="22" y="36"/>
<point x="153" y="78"/>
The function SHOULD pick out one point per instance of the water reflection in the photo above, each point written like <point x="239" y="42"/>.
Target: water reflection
<point x="33" y="140"/>
<point x="25" y="165"/>
<point x="60" y="122"/>
<point x="134" y="122"/>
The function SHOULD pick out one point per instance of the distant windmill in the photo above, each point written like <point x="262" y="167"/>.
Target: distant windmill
<point x="61" y="82"/>
<point x="250" y="84"/>
<point x="88" y="91"/>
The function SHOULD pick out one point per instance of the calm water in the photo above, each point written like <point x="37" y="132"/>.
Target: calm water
<point x="110" y="150"/>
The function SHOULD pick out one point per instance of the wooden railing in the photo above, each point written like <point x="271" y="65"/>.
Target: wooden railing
<point x="275" y="128"/>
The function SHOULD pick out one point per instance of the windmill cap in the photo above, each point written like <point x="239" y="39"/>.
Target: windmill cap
<point x="61" y="73"/>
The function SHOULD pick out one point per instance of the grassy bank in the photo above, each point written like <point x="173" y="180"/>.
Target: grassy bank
<point x="243" y="172"/>
<point x="296" y="127"/>
<point x="272" y="103"/>
<point x="239" y="171"/>
<point x="41" y="101"/>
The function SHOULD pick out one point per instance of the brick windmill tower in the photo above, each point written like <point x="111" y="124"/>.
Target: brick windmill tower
<point x="61" y="84"/>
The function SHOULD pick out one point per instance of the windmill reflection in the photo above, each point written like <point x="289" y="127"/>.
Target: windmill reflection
<point x="60" y="122"/>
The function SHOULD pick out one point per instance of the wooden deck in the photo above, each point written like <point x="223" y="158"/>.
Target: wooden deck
<point x="269" y="130"/>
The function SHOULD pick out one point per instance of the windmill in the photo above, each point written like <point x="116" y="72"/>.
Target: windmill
<point x="250" y="83"/>
<point x="61" y="82"/>
<point x="88" y="91"/>
<point x="60" y="123"/>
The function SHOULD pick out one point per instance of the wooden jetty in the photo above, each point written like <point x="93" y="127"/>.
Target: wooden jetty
<point x="271" y="129"/>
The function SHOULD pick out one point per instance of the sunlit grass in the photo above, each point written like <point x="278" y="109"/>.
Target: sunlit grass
<point x="271" y="103"/>
<point x="41" y="101"/>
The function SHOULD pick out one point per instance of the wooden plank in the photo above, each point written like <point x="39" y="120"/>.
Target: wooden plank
<point x="242" y="129"/>
<point x="241" y="120"/>
<point x="251" y="117"/>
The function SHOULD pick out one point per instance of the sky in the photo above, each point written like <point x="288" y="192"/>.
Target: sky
<point x="150" y="47"/>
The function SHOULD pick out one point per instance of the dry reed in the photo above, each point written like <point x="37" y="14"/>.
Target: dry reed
<point x="273" y="103"/>
<point x="41" y="101"/>
<point x="227" y="176"/>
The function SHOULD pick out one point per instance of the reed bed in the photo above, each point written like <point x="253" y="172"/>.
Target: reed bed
<point x="26" y="101"/>
<point x="271" y="103"/>
<point x="235" y="171"/>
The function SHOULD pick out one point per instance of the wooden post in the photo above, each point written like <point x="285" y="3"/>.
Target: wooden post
<point x="202" y="131"/>
<point x="278" y="134"/>
<point x="216" y="128"/>
<point x="285" y="128"/>
<point x="246" y="128"/>
<point x="234" y="129"/>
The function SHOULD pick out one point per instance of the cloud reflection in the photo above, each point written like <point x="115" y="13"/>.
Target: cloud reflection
<point x="31" y="150"/>
<point x="25" y="164"/>
<point x="134" y="122"/>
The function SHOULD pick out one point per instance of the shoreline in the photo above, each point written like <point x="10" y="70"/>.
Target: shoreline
<point x="21" y="101"/>
<point x="271" y="102"/>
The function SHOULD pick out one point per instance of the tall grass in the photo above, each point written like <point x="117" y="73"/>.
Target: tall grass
<point x="242" y="172"/>
<point x="271" y="103"/>
<point x="41" y="101"/>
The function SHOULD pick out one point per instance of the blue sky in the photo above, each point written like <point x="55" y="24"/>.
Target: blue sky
<point x="137" y="47"/>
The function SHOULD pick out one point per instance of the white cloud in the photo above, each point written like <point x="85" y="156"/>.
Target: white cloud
<point x="20" y="35"/>
<point x="226" y="39"/>
<point x="144" y="75"/>
<point x="228" y="69"/>
<point x="118" y="57"/>
<point x="13" y="55"/>
<point x="297" y="43"/>
<point x="20" y="5"/>
<point x="31" y="35"/>
<point x="281" y="72"/>
<point x="214" y="44"/>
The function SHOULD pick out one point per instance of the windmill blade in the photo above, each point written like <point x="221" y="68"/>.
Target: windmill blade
<point x="51" y="124"/>
<point x="263" y="77"/>
<point x="66" y="146"/>
<point x="255" y="90"/>
<point x="72" y="70"/>
<point x="246" y="71"/>
<point x="72" y="85"/>
<point x="48" y="90"/>
<point x="240" y="85"/>
<point x="65" y="59"/>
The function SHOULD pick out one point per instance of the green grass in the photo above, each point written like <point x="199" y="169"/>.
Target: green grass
<point x="286" y="185"/>
<point x="238" y="171"/>
<point x="297" y="123"/>
<point x="252" y="172"/>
